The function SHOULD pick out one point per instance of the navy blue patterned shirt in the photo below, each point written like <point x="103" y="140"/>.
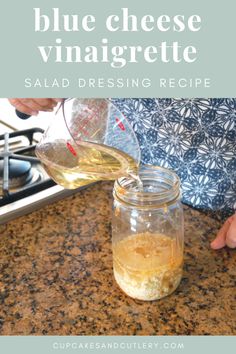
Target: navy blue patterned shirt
<point x="194" y="137"/>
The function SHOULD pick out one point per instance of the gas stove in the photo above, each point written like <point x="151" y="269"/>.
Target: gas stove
<point x="24" y="184"/>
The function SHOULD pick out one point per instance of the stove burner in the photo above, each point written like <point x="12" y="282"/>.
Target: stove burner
<point x="19" y="173"/>
<point x="38" y="191"/>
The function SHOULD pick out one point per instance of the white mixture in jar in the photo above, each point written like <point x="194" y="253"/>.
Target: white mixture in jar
<point x="147" y="266"/>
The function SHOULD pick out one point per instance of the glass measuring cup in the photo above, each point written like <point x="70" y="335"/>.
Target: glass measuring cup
<point x="88" y="140"/>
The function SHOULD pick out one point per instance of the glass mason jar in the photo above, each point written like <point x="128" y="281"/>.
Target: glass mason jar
<point x="147" y="233"/>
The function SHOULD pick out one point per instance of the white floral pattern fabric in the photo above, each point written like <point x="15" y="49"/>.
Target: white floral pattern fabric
<point x="194" y="137"/>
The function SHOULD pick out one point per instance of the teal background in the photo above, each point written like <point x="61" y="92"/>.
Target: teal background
<point x="192" y="345"/>
<point x="215" y="44"/>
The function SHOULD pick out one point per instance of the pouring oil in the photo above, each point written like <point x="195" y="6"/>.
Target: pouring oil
<point x="73" y="166"/>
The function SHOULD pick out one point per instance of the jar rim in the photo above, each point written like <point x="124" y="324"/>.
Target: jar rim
<point x="169" y="187"/>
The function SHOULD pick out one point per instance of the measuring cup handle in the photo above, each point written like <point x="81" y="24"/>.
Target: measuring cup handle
<point x="22" y="115"/>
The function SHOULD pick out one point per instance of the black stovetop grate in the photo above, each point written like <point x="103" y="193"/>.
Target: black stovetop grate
<point x="23" y="154"/>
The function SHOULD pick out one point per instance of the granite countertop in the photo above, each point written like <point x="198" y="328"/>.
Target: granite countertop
<point x="56" y="276"/>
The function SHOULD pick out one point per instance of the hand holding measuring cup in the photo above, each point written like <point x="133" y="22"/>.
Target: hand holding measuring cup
<point x="89" y="140"/>
<point x="32" y="106"/>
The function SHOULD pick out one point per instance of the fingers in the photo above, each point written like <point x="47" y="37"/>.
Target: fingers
<point x="20" y="106"/>
<point x="231" y="234"/>
<point x="32" y="106"/>
<point x="222" y="237"/>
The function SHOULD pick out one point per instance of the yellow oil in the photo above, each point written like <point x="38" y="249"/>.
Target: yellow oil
<point x="84" y="163"/>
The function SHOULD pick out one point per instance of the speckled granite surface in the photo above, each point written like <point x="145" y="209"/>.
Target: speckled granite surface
<point x="56" y="276"/>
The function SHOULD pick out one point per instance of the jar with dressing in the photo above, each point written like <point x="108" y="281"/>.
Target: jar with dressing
<point x="147" y="233"/>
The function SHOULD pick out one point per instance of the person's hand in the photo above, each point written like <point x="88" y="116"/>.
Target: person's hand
<point x="227" y="235"/>
<point x="32" y="106"/>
